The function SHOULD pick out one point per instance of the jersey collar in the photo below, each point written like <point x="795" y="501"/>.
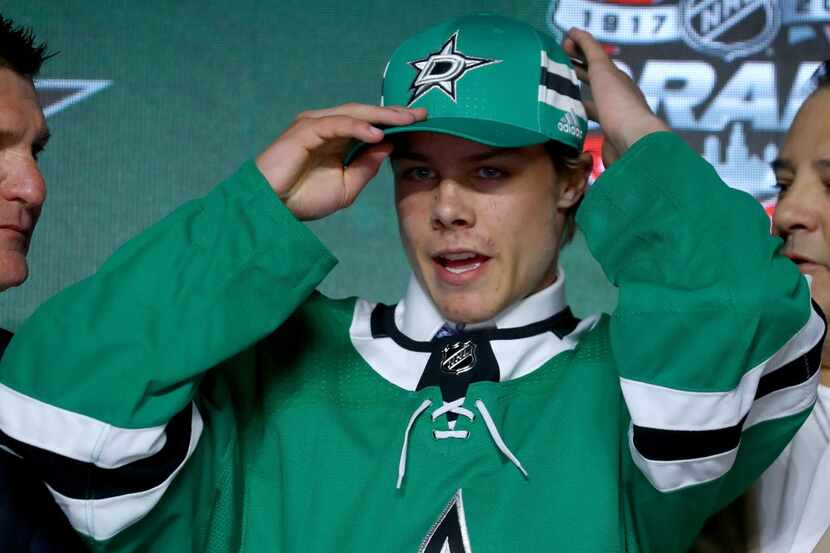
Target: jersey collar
<point x="417" y="317"/>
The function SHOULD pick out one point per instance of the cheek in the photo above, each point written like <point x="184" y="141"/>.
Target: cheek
<point x="413" y="220"/>
<point x="532" y="237"/>
<point x="825" y="225"/>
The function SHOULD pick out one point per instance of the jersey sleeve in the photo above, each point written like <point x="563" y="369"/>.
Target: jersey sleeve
<point x="97" y="388"/>
<point x="715" y="338"/>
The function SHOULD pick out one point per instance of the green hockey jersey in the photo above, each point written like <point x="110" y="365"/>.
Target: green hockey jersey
<point x="196" y="394"/>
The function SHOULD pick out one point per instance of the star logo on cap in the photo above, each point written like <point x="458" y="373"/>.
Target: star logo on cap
<point x="442" y="69"/>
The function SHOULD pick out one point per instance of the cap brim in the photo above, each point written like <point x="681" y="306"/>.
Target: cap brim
<point x="491" y="133"/>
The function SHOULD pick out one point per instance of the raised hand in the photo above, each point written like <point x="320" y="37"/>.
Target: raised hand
<point x="618" y="105"/>
<point x="305" y="167"/>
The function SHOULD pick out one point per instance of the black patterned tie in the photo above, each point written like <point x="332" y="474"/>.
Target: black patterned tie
<point x="458" y="358"/>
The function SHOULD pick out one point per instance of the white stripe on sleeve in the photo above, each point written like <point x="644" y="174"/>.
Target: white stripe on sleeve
<point x="102" y="519"/>
<point x="73" y="435"/>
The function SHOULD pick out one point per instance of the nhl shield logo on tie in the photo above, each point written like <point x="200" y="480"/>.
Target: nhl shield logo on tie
<point x="729" y="29"/>
<point x="458" y="357"/>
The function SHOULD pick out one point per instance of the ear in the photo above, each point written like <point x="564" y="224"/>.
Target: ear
<point x="574" y="183"/>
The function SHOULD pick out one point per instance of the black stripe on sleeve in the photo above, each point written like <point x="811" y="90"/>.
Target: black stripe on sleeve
<point x="560" y="84"/>
<point x="676" y="445"/>
<point x="80" y="480"/>
<point x="793" y="373"/>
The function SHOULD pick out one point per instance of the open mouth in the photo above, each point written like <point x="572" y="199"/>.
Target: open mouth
<point x="461" y="262"/>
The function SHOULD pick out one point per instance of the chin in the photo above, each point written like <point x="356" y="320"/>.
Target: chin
<point x="466" y="310"/>
<point x="13" y="270"/>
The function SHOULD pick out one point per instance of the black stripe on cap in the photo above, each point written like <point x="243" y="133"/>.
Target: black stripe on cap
<point x="80" y="480"/>
<point x="560" y="84"/>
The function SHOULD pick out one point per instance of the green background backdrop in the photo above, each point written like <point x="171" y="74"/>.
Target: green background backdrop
<point x="199" y="87"/>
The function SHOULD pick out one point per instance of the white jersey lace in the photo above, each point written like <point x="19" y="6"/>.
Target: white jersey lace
<point x="456" y="408"/>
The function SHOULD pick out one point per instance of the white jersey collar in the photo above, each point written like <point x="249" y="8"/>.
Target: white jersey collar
<point x="418" y="318"/>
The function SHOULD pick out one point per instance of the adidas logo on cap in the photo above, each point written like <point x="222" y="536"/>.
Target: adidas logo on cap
<point x="569" y="124"/>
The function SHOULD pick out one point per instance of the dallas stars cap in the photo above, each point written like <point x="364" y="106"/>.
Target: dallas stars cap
<point x="488" y="79"/>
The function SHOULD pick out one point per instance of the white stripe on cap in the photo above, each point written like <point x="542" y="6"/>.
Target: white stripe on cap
<point x="560" y="101"/>
<point x="560" y="69"/>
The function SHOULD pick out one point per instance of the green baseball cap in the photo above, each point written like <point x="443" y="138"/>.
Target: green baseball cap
<point x="489" y="79"/>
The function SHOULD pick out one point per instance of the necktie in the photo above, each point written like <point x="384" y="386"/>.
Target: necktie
<point x="457" y="360"/>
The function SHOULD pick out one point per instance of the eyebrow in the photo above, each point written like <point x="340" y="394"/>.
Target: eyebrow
<point x="787" y="165"/>
<point x="38" y="144"/>
<point x="7" y="136"/>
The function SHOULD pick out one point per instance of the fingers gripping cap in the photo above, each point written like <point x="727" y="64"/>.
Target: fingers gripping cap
<point x="489" y="79"/>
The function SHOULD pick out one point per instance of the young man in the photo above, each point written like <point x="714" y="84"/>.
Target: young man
<point x="29" y="519"/>
<point x="197" y="395"/>
<point x="787" y="510"/>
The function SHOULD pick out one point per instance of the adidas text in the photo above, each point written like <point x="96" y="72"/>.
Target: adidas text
<point x="569" y="125"/>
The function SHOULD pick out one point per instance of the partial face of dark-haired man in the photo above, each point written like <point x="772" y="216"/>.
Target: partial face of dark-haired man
<point x="802" y="216"/>
<point x="23" y="135"/>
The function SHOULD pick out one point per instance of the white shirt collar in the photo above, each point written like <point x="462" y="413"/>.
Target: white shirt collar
<point x="418" y="318"/>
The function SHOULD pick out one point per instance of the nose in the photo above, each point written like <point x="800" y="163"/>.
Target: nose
<point x="452" y="207"/>
<point x="798" y="209"/>
<point x="22" y="181"/>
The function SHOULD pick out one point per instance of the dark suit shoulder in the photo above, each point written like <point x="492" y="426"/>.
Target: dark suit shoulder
<point x="5" y="338"/>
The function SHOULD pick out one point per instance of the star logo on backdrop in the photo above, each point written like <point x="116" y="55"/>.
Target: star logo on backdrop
<point x="442" y="69"/>
<point x="56" y="95"/>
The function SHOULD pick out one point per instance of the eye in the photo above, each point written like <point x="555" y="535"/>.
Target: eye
<point x="490" y="173"/>
<point x="419" y="174"/>
<point x="782" y="186"/>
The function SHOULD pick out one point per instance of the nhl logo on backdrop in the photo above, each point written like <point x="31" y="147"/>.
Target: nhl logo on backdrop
<point x="442" y="69"/>
<point x="458" y="357"/>
<point x="729" y="29"/>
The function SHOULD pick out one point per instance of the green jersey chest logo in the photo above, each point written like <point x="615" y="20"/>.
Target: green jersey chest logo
<point x="442" y="69"/>
<point x="449" y="533"/>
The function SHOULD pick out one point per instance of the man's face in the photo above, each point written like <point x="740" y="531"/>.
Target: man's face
<point x="481" y="225"/>
<point x="23" y="134"/>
